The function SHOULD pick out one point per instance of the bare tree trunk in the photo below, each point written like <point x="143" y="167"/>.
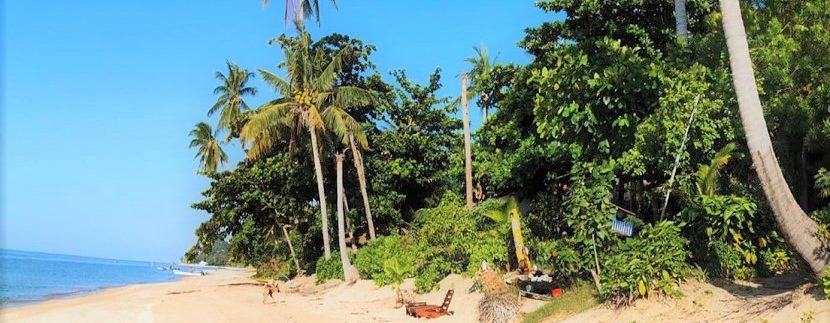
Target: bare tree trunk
<point x="318" y="171"/>
<point x="341" y="226"/>
<point x="468" y="158"/>
<point x="798" y="229"/>
<point x="291" y="248"/>
<point x="361" y="177"/>
<point x="680" y="19"/>
<point x="803" y="178"/>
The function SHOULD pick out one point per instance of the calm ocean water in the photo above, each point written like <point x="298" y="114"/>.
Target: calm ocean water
<point x="28" y="277"/>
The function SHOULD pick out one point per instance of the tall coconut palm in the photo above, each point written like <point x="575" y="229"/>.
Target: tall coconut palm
<point x="210" y="152"/>
<point x="311" y="88"/>
<point x="231" y="100"/>
<point x="481" y="67"/>
<point x="798" y="229"/>
<point x="301" y="10"/>
<point x="350" y="134"/>
<point x="341" y="226"/>
<point x="468" y="152"/>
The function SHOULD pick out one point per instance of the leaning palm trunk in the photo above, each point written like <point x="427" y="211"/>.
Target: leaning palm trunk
<point x="680" y="19"/>
<point x="361" y="177"/>
<point x="341" y="226"/>
<point x="291" y="248"/>
<point x="798" y="229"/>
<point x="318" y="171"/>
<point x="468" y="159"/>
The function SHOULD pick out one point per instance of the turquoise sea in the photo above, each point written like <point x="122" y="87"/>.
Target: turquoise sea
<point x="29" y="277"/>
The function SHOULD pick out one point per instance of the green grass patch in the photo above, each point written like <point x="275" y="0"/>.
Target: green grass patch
<point x="571" y="302"/>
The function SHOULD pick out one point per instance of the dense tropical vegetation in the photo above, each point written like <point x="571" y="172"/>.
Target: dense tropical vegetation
<point x="624" y="113"/>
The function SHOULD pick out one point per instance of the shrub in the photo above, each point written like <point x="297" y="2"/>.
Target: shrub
<point x="371" y="260"/>
<point x="825" y="283"/>
<point x="275" y="268"/>
<point x="428" y="276"/>
<point x="777" y="260"/>
<point x="329" y="269"/>
<point x="728" y="262"/>
<point x="655" y="262"/>
<point x="723" y="223"/>
<point x="560" y="256"/>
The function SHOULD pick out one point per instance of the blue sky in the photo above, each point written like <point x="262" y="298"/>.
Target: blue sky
<point x="98" y="98"/>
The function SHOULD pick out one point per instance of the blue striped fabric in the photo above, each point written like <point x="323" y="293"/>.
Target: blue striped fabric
<point x="622" y="228"/>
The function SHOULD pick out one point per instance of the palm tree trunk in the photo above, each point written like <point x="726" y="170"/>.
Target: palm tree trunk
<point x="468" y="158"/>
<point x="680" y="19"/>
<point x="291" y="248"/>
<point x="361" y="177"/>
<point x="318" y="171"/>
<point x="798" y="229"/>
<point x="341" y="226"/>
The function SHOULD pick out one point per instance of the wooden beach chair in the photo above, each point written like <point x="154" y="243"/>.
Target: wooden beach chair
<point x="422" y="310"/>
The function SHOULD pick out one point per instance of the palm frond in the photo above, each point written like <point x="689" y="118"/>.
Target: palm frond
<point x="278" y="83"/>
<point x="707" y="183"/>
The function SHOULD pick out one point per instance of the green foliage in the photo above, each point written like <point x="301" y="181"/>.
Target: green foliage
<point x="724" y="224"/>
<point x="777" y="260"/>
<point x="217" y="255"/>
<point x="386" y="260"/>
<point x="448" y="239"/>
<point x="825" y="283"/>
<point x="412" y="147"/>
<point x="561" y="258"/>
<point x="589" y="211"/>
<point x="210" y="152"/>
<point x="823" y="183"/>
<point x="329" y="269"/>
<point x="653" y="262"/>
<point x="275" y="268"/>
<point x="449" y="242"/>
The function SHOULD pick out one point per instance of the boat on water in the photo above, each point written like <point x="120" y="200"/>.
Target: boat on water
<point x="188" y="273"/>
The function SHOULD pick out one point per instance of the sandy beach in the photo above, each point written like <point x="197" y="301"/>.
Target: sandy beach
<point x="231" y="296"/>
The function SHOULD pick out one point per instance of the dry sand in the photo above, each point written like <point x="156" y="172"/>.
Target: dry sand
<point x="230" y="296"/>
<point x="778" y="299"/>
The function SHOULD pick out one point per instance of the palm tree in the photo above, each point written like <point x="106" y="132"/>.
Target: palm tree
<point x="348" y="130"/>
<point x="680" y="19"/>
<point x="480" y="71"/>
<point x="798" y="229"/>
<point x="301" y="10"/>
<point x="341" y="226"/>
<point x="311" y="88"/>
<point x="468" y="158"/>
<point x="210" y="151"/>
<point x="231" y="102"/>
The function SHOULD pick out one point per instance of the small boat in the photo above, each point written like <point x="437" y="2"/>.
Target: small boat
<point x="188" y="273"/>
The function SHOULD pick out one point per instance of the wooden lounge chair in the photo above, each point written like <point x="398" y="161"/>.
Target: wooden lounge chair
<point x="422" y="310"/>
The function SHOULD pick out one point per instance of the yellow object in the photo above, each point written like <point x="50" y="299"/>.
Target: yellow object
<point x="518" y="240"/>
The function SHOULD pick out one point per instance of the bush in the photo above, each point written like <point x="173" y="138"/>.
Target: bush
<point x="777" y="260"/>
<point x="373" y="259"/>
<point x="448" y="239"/>
<point x="275" y="268"/>
<point x="561" y="257"/>
<point x="329" y="269"/>
<point x="654" y="262"/>
<point x="723" y="223"/>
<point x="825" y="283"/>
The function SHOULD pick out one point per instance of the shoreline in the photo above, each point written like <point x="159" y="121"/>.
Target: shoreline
<point x="16" y="304"/>
<point x="233" y="296"/>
